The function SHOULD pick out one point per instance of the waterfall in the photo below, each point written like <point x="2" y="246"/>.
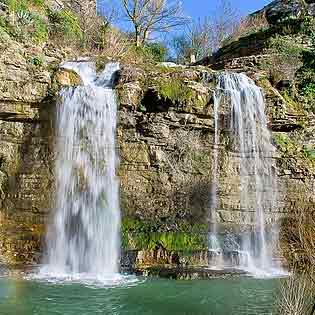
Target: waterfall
<point x="216" y="254"/>
<point x="251" y="142"/>
<point x="84" y="236"/>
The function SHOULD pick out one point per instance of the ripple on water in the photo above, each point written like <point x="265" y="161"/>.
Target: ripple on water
<point x="87" y="279"/>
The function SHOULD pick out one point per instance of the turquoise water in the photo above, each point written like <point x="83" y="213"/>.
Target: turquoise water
<point x="220" y="297"/>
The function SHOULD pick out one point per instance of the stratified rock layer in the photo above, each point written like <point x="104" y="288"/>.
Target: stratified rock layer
<point x="165" y="136"/>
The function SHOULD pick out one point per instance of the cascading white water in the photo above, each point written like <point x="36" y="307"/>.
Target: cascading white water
<point x="214" y="244"/>
<point x="252" y="143"/>
<point x="84" y="236"/>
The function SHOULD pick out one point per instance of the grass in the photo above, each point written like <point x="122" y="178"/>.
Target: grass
<point x="66" y="23"/>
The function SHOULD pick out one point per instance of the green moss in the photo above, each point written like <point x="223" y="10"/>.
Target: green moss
<point x="140" y="235"/>
<point x="174" y="89"/>
<point x="290" y="148"/>
<point x="295" y="106"/>
<point x="286" y="144"/>
<point x="168" y="240"/>
<point x="166" y="70"/>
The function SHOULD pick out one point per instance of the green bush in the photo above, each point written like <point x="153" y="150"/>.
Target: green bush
<point x="4" y="25"/>
<point x="309" y="89"/>
<point x="40" y="33"/>
<point x="38" y="3"/>
<point x="285" y="58"/>
<point x="16" y="5"/>
<point x="158" y="51"/>
<point x="308" y="28"/>
<point x="285" y="144"/>
<point x="37" y="61"/>
<point x="286" y="46"/>
<point x="66" y="24"/>
<point x="309" y="153"/>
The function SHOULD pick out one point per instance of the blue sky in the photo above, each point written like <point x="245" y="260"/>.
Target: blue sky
<point x="200" y="8"/>
<point x="193" y="8"/>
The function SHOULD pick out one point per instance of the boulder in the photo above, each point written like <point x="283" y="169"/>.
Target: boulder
<point x="65" y="77"/>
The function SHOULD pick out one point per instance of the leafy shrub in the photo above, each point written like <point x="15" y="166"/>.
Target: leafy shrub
<point x="286" y="46"/>
<point x="36" y="61"/>
<point x="308" y="28"/>
<point x="38" y="3"/>
<point x="65" y="24"/>
<point x="309" y="89"/>
<point x="5" y="25"/>
<point x="40" y="29"/>
<point x="309" y="153"/>
<point x="285" y="144"/>
<point x="285" y="58"/>
<point x="157" y="51"/>
<point x="16" y="5"/>
<point x="24" y="17"/>
<point x="306" y="80"/>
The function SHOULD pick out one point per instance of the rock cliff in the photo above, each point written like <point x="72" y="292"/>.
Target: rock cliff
<point x="166" y="140"/>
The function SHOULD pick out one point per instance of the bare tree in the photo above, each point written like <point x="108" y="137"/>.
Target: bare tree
<point x="296" y="295"/>
<point x="200" y="34"/>
<point x="225" y="21"/>
<point x="152" y="16"/>
<point x="203" y="37"/>
<point x="197" y="40"/>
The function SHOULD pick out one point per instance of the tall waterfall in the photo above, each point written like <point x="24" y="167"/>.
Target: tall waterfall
<point x="84" y="236"/>
<point x="251" y="142"/>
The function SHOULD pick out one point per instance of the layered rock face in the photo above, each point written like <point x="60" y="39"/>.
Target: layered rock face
<point x="282" y="17"/>
<point x="166" y="149"/>
<point x="26" y="148"/>
<point x="165" y="142"/>
<point x="165" y="133"/>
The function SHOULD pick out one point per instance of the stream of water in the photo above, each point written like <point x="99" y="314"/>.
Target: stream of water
<point x="83" y="240"/>
<point x="251" y="142"/>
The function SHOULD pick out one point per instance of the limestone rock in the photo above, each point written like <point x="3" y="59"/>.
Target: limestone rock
<point x="65" y="78"/>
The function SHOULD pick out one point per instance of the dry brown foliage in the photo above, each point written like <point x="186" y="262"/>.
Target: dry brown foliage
<point x="249" y="25"/>
<point x="299" y="239"/>
<point x="297" y="295"/>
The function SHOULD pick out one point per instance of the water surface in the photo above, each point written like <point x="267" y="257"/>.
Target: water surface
<point x="156" y="296"/>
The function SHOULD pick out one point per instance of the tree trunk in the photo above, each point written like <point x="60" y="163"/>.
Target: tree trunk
<point x="137" y="37"/>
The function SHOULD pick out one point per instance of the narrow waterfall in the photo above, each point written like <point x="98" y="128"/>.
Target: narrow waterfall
<point x="84" y="236"/>
<point x="251" y="143"/>
<point x="214" y="243"/>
